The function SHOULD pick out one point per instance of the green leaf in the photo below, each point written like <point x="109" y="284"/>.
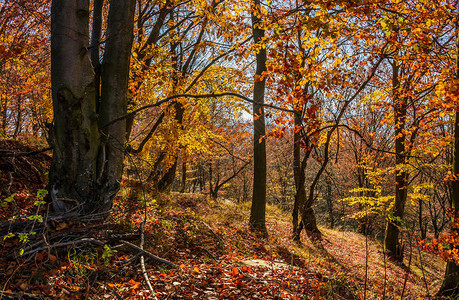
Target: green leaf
<point x="41" y="194"/>
<point x="9" y="235"/>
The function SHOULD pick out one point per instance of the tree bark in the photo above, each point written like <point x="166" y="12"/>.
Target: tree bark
<point x="75" y="137"/>
<point x="166" y="181"/>
<point x="3" y="114"/>
<point x="95" y="46"/>
<point x="184" y="167"/>
<point x="363" y="221"/>
<point x="113" y="97"/>
<point x="299" y="176"/>
<point x="329" y="200"/>
<point x="17" y="129"/>
<point x="87" y="166"/>
<point x="258" y="209"/>
<point x="391" y="242"/>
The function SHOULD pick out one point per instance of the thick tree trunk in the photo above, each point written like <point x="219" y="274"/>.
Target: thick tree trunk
<point x="392" y="243"/>
<point x="76" y="138"/>
<point x="258" y="209"/>
<point x="113" y="97"/>
<point x="87" y="166"/>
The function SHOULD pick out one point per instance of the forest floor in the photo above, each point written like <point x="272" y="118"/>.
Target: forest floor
<point x="207" y="249"/>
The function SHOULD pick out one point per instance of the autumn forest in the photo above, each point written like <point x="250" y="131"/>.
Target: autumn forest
<point x="229" y="149"/>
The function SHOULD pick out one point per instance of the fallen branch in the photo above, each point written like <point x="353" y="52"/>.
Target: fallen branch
<point x="142" y="262"/>
<point x="18" y="153"/>
<point x="71" y="243"/>
<point x="150" y="255"/>
<point x="18" y="296"/>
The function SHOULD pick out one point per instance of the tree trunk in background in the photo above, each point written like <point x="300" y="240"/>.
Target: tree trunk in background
<point x="166" y="181"/>
<point x="362" y="221"/>
<point x="298" y="174"/>
<point x="329" y="200"/>
<point x="392" y="242"/>
<point x="3" y="109"/>
<point x="17" y="128"/>
<point x="168" y="178"/>
<point x="450" y="285"/>
<point x="258" y="209"/>
<point x="87" y="166"/>
<point x="184" y="163"/>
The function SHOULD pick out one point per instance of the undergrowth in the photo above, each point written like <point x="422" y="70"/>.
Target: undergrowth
<point x="217" y="258"/>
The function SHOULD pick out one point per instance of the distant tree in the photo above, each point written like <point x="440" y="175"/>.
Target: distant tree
<point x="258" y="210"/>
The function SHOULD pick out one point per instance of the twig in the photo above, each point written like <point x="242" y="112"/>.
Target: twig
<point x="407" y="269"/>
<point x="366" y="252"/>
<point x="211" y="95"/>
<point x="117" y="295"/>
<point x="142" y="262"/>
<point x="149" y="254"/>
<point x="218" y="237"/>
<point x="209" y="253"/>
<point x="385" y="273"/>
<point x="423" y="273"/>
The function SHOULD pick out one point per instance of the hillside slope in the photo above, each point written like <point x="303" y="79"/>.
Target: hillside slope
<point x="215" y="255"/>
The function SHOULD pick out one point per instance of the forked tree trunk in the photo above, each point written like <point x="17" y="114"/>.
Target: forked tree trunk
<point x="258" y="209"/>
<point x="87" y="165"/>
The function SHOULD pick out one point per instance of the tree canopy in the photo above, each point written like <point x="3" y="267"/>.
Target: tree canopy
<point x="307" y="105"/>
